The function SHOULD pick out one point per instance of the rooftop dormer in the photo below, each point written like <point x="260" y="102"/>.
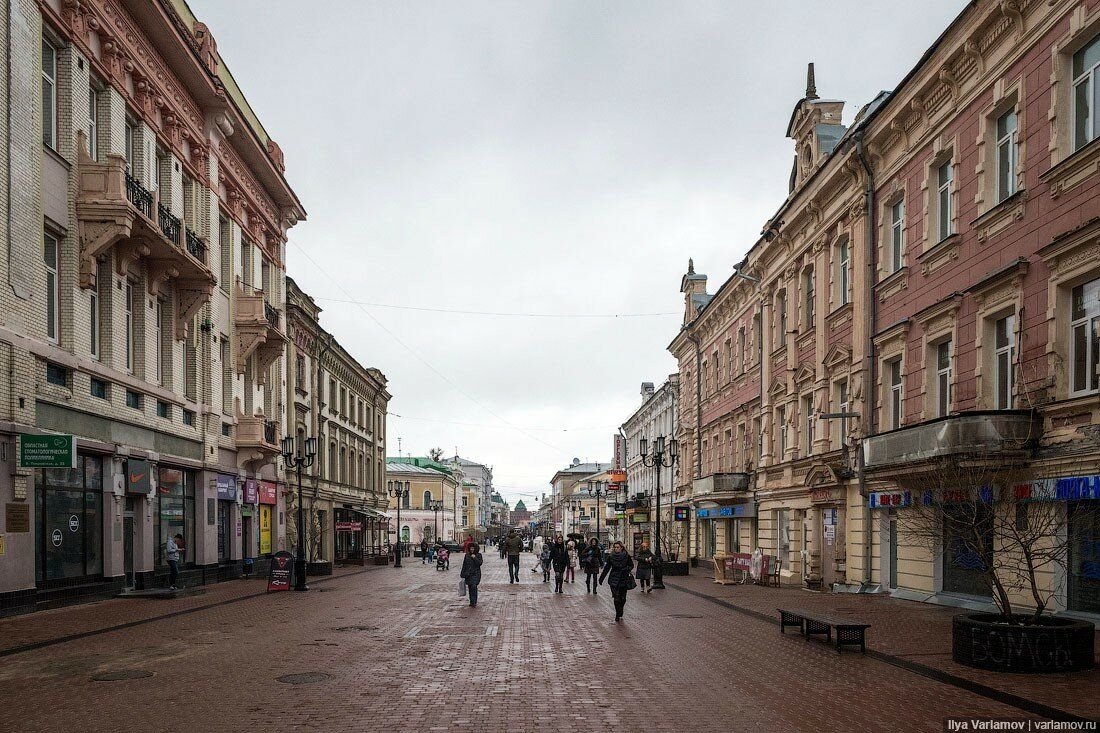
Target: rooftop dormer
<point x="815" y="128"/>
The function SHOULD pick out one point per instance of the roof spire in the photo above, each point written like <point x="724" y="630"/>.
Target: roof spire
<point x="811" y="84"/>
<point x="691" y="266"/>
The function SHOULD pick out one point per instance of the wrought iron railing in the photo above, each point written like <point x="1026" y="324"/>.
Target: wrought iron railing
<point x="270" y="431"/>
<point x="271" y="314"/>
<point x="139" y="196"/>
<point x="196" y="246"/>
<point x="169" y="224"/>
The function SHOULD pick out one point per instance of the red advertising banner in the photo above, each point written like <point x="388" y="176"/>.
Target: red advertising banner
<point x="738" y="561"/>
<point x="282" y="565"/>
<point x="349" y="526"/>
<point x="269" y="492"/>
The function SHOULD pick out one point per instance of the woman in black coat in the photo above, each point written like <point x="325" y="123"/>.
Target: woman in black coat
<point x="592" y="561"/>
<point x="646" y="560"/>
<point x="471" y="571"/>
<point x="618" y="566"/>
<point x="559" y="558"/>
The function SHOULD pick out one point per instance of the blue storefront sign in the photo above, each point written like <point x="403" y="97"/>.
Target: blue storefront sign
<point x="1077" y="488"/>
<point x="227" y="487"/>
<point x="735" y="511"/>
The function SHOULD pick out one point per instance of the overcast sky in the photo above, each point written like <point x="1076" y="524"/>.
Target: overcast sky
<point x="537" y="157"/>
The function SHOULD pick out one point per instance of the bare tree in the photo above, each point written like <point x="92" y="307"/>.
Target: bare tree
<point x="673" y="534"/>
<point x="1000" y="520"/>
<point x="436" y="454"/>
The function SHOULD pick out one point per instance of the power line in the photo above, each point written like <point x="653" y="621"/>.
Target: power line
<point x="485" y="425"/>
<point x="496" y="313"/>
<point x="421" y="359"/>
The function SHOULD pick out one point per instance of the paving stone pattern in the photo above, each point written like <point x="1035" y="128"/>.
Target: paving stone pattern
<point x="553" y="662"/>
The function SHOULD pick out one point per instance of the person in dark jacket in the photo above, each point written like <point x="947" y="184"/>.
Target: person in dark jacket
<point x="424" y="551"/>
<point x="644" y="574"/>
<point x="618" y="566"/>
<point x="545" y="563"/>
<point x="591" y="562"/>
<point x="513" y="546"/>
<point x="471" y="571"/>
<point x="559" y="559"/>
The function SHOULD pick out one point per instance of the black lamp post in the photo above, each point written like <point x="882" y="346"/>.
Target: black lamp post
<point x="436" y="505"/>
<point x="597" y="491"/>
<point x="659" y="460"/>
<point x="574" y="504"/>
<point x="399" y="491"/>
<point x="298" y="457"/>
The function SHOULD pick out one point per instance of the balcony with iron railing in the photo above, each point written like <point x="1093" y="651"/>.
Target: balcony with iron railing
<point x="271" y="314"/>
<point x="259" y="434"/>
<point x="996" y="435"/>
<point x="169" y="224"/>
<point x="257" y="323"/>
<point x="722" y="484"/>
<point x="195" y="246"/>
<point x="139" y="195"/>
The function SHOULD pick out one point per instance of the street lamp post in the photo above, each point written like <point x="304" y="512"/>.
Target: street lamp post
<point x="399" y="491"/>
<point x="597" y="491"/>
<point x="659" y="460"/>
<point x="436" y="505"/>
<point x="298" y="457"/>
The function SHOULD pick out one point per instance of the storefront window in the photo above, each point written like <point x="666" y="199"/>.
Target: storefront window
<point x="1084" y="556"/>
<point x="710" y="542"/>
<point x="69" y="506"/>
<point x="964" y="564"/>
<point x="733" y="535"/>
<point x="175" y="512"/>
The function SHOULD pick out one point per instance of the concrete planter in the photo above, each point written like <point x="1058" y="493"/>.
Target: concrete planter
<point x="1055" y="644"/>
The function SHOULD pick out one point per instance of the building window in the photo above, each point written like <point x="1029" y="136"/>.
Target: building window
<point x="1007" y="152"/>
<point x="781" y="432"/>
<point x="130" y="142"/>
<point x="842" y="405"/>
<point x="894" y="402"/>
<point x="1004" y="367"/>
<point x="93" y="122"/>
<point x="133" y="399"/>
<point x="131" y="293"/>
<point x="1085" y="337"/>
<point x="1086" y="96"/>
<point x="158" y="343"/>
<point x="781" y="318"/>
<point x="944" y="176"/>
<point x="225" y="244"/>
<point x="808" y="297"/>
<point x="53" y="289"/>
<point x="93" y="321"/>
<point x="808" y="424"/>
<point x="943" y="378"/>
<point x="164" y="410"/>
<point x="427" y="499"/>
<point x="300" y="372"/>
<point x="98" y="388"/>
<point x="69" y="505"/>
<point x="742" y="353"/>
<point x="897" y="234"/>
<point x="227" y="429"/>
<point x="844" y="272"/>
<point x="188" y="417"/>
<point x="56" y="374"/>
<point x="49" y="94"/>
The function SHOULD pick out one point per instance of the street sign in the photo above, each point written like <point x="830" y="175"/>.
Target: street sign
<point x="17" y="517"/>
<point x="278" y="578"/>
<point x="47" y="451"/>
<point x="681" y="513"/>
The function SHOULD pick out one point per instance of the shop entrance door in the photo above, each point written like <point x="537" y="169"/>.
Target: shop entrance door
<point x="832" y="546"/>
<point x="128" y="541"/>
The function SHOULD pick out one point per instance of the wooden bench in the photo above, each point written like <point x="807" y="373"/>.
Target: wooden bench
<point x="848" y="632"/>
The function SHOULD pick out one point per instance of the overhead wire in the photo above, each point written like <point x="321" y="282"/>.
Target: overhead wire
<point x="507" y="314"/>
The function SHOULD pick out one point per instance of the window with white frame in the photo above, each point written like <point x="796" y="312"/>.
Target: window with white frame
<point x="807" y="424"/>
<point x="1086" y="94"/>
<point x="781" y="432"/>
<point x="943" y="378"/>
<point x="945" y="174"/>
<point x="131" y="145"/>
<point x="758" y="428"/>
<point x="742" y="354"/>
<point x="53" y="286"/>
<point x="781" y="318"/>
<point x="1007" y="152"/>
<point x="843" y="272"/>
<point x="1004" y="363"/>
<point x="895" y="396"/>
<point x="897" y="234"/>
<point x="1085" y="337"/>
<point x="840" y="391"/>
<point x="808" y="296"/>
<point x="93" y="122"/>
<point x="49" y="94"/>
<point x="130" y="292"/>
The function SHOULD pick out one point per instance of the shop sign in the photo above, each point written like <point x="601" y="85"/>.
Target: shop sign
<point x="47" y="451"/>
<point x="828" y="517"/>
<point x="282" y="566"/>
<point x="617" y="476"/>
<point x="891" y="499"/>
<point x="251" y="491"/>
<point x="1077" y="488"/>
<point x="639" y="518"/>
<point x="680" y="513"/>
<point x="349" y="526"/>
<point x="226" y="486"/>
<point x="734" y="511"/>
<point x="17" y="517"/>
<point x="612" y="488"/>
<point x="138" y="476"/>
<point x="738" y="561"/>
<point x="269" y="492"/>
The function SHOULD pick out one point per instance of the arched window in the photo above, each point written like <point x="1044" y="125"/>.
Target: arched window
<point x="427" y="498"/>
<point x="343" y="465"/>
<point x="332" y="476"/>
<point x="353" y="468"/>
<point x="405" y="533"/>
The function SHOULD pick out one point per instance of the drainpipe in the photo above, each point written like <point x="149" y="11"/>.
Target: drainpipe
<point x="870" y="312"/>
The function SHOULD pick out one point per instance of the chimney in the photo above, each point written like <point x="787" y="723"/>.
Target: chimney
<point x="647" y="390"/>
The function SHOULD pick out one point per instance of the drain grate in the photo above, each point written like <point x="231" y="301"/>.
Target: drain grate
<point x="356" y="628"/>
<point x="122" y="674"/>
<point x="303" y="678"/>
<point x="683" y="615"/>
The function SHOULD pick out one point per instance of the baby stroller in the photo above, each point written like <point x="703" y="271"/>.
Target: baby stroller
<point x="442" y="559"/>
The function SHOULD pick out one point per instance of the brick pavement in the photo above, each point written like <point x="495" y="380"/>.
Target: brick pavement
<point x="399" y="651"/>
<point x="913" y="632"/>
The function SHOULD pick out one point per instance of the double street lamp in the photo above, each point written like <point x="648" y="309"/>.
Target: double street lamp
<point x="298" y="457"/>
<point x="399" y="491"/>
<point x="659" y="460"/>
<point x="436" y="505"/>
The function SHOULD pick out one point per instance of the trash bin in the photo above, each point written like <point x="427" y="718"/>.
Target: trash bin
<point x="248" y="567"/>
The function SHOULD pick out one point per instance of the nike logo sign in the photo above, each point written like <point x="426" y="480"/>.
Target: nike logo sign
<point x="135" y="477"/>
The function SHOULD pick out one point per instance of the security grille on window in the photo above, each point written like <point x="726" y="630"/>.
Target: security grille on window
<point x="1004" y="366"/>
<point x="944" y="175"/>
<point x="893" y="369"/>
<point x="1006" y="155"/>
<point x="1086" y="95"/>
<point x="897" y="234"/>
<point x="53" y="292"/>
<point x="1085" y="337"/>
<point x="49" y="94"/>
<point x="943" y="378"/>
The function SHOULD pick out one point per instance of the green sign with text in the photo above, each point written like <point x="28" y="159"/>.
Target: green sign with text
<point x="47" y="451"/>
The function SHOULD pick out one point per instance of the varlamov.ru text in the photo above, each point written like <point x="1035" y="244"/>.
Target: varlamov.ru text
<point x="967" y="724"/>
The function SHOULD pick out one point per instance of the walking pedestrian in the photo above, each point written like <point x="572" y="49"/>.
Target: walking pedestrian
<point x="591" y="562"/>
<point x="644" y="573"/>
<point x="173" y="548"/>
<point x="559" y="560"/>
<point x="424" y="551"/>
<point x="500" y="547"/>
<point x="618" y="566"/>
<point x="471" y="571"/>
<point x="571" y="569"/>
<point x="513" y="546"/>
<point x="467" y="542"/>
<point x="544" y="562"/>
